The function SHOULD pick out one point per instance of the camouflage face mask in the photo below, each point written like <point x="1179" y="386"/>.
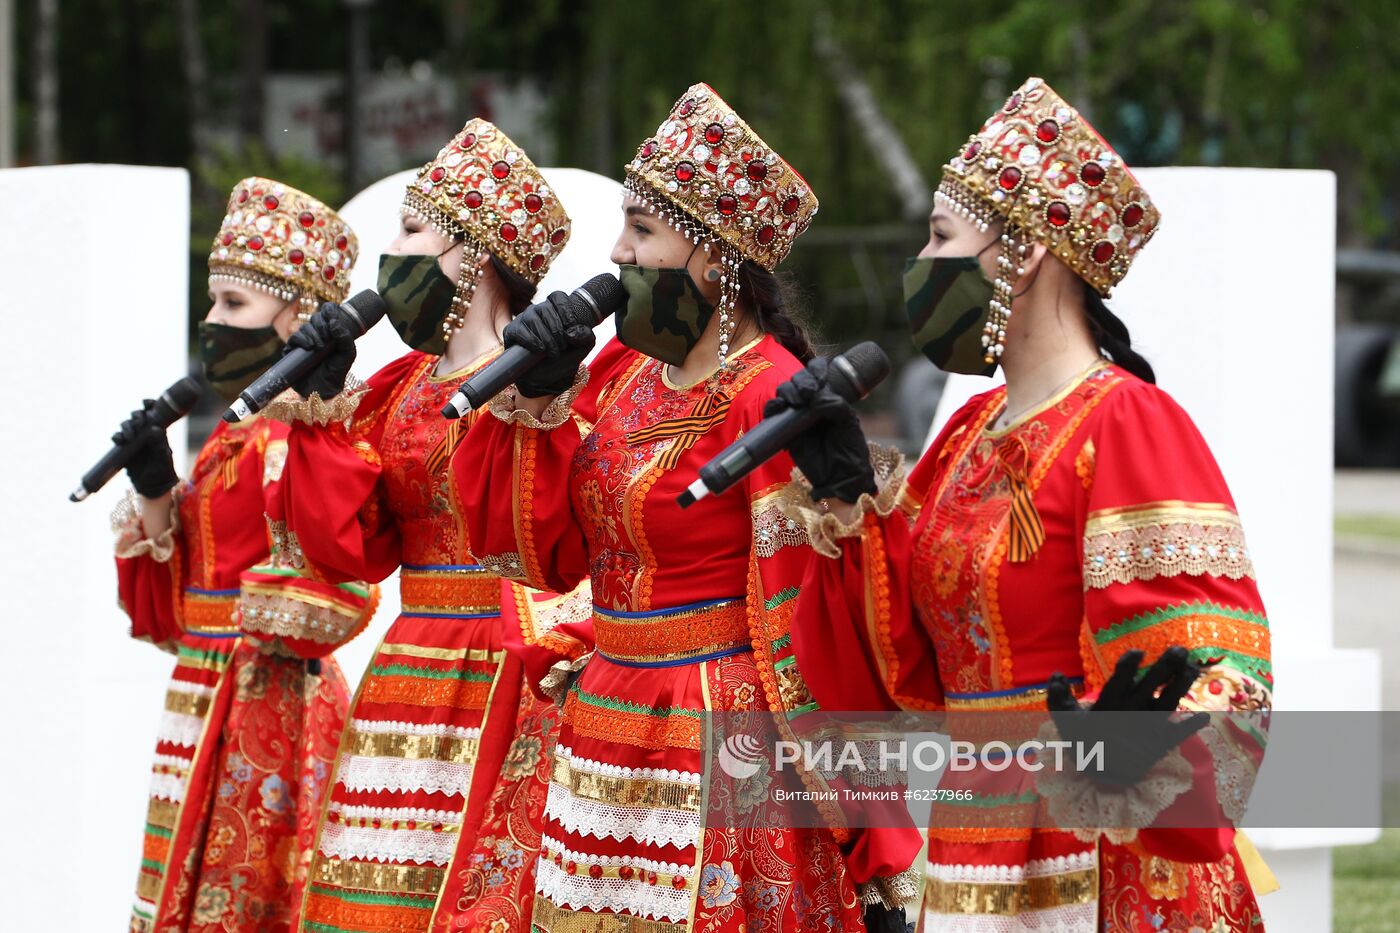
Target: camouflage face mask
<point x="418" y="298"/>
<point x="234" y="356"/>
<point x="948" y="301"/>
<point x="665" y="313"/>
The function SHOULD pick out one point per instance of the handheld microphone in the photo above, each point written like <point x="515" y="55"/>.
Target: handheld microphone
<point x="174" y="403"/>
<point x="852" y="375"/>
<point x="362" y="312"/>
<point x="589" y="304"/>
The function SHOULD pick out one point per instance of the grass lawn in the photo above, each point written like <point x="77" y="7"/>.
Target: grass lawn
<point x="1366" y="886"/>
<point x="1372" y="526"/>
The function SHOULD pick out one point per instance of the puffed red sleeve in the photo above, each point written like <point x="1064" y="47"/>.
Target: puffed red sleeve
<point x="1165" y="563"/>
<point x="855" y="629"/>
<point x="329" y="509"/>
<point x="150" y="573"/>
<point x="511" y="479"/>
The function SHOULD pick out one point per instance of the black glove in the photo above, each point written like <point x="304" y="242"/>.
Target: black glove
<point x="543" y="328"/>
<point x="152" y="468"/>
<point x="882" y="919"/>
<point x="832" y="454"/>
<point x="326" y="328"/>
<point x="1132" y="744"/>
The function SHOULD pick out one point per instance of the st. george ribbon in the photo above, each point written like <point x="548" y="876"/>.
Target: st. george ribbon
<point x="589" y="304"/>
<point x="174" y="403"/>
<point x="362" y="312"/>
<point x="851" y="375"/>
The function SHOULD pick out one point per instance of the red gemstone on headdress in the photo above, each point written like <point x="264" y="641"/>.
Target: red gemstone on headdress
<point x="687" y="108"/>
<point x="537" y="262"/>
<point x="227" y="239"/>
<point x="500" y="168"/>
<point x="472" y="199"/>
<point x="1092" y="174"/>
<point x="1048" y="131"/>
<point x="341" y="242"/>
<point x="1102" y="252"/>
<point x="557" y="236"/>
<point x="533" y="203"/>
<point x="437" y="174"/>
<point x="468" y="141"/>
<point x="242" y="195"/>
<point x="714" y="134"/>
<point x="648" y="149"/>
<point x="509" y="232"/>
<point x="328" y="273"/>
<point x="296" y="257"/>
<point x="255" y="243"/>
<point x="1009" y="179"/>
<point x="1057" y="213"/>
<point x="1132" y="214"/>
<point x="970" y="152"/>
<point x="685" y="171"/>
<point x="726" y="204"/>
<point x="270" y="202"/>
<point x="766" y="233"/>
<point x="1013" y="103"/>
<point x="790" y="205"/>
<point x="306" y="219"/>
<point x="757" y="170"/>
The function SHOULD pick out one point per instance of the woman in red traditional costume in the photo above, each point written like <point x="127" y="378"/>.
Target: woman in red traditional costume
<point x="255" y="706"/>
<point x="433" y="816"/>
<point x="690" y="610"/>
<point x="1060" y="530"/>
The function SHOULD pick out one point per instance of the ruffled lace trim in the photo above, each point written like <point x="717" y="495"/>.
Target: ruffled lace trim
<point x="365" y="843"/>
<point x="505" y="406"/>
<point x="893" y="891"/>
<point x="131" y="537"/>
<point x="1089" y="810"/>
<point x="647" y="825"/>
<point x="824" y="529"/>
<point x="554" y="683"/>
<point x="357" y="773"/>
<point x="289" y="407"/>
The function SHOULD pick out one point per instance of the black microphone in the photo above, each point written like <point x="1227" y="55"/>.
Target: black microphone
<point x="362" y="312"/>
<point x="589" y="304"/>
<point x="851" y="375"/>
<point x="174" y="403"/>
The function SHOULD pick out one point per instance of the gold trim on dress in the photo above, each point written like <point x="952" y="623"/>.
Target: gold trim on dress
<point x="1044" y="406"/>
<point x="373" y="876"/>
<point x="1010" y="899"/>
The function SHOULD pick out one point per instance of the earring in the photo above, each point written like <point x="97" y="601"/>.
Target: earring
<point x="712" y="275"/>
<point x="1008" y="272"/>
<point x="728" y="301"/>
<point x="467" y="280"/>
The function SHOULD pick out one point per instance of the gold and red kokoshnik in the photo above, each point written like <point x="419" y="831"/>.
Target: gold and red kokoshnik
<point x="709" y="174"/>
<point x="1040" y="165"/>
<point x="284" y="242"/>
<point x="483" y="185"/>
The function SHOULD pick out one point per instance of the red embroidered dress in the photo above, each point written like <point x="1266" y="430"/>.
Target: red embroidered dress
<point x="1142" y="550"/>
<point x="690" y="616"/>
<point x="247" y="737"/>
<point x="432" y="818"/>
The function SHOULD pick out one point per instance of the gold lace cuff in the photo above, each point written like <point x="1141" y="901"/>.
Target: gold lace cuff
<point x="824" y="529"/>
<point x="505" y="406"/>
<point x="289" y="407"/>
<point x="1089" y="810"/>
<point x="131" y="537"/>
<point x="553" y="684"/>
<point x="893" y="891"/>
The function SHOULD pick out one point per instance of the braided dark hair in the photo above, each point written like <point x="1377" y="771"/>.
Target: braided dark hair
<point x="769" y="297"/>
<point x="1112" y="336"/>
